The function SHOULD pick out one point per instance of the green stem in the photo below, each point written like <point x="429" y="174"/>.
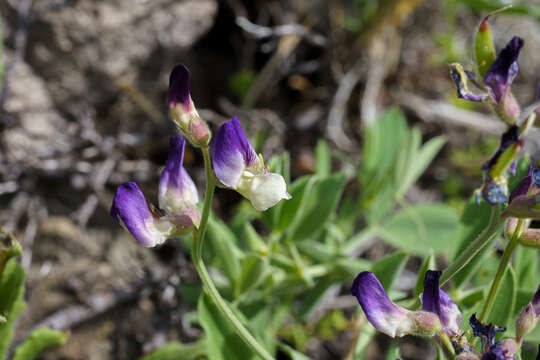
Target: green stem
<point x="510" y="247"/>
<point x="208" y="284"/>
<point x="448" y="348"/>
<point x="474" y="248"/>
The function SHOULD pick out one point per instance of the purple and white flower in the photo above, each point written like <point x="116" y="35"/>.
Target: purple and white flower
<point x="177" y="191"/>
<point x="182" y="108"/>
<point x="131" y="210"/>
<point x="178" y="197"/>
<point x="386" y="316"/>
<point x="238" y="167"/>
<point x="437" y="301"/>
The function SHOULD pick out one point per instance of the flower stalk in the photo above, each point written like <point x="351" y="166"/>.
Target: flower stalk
<point x="508" y="251"/>
<point x="196" y="253"/>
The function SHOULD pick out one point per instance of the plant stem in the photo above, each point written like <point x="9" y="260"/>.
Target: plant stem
<point x="508" y="251"/>
<point x="474" y="248"/>
<point x="448" y="348"/>
<point x="208" y="284"/>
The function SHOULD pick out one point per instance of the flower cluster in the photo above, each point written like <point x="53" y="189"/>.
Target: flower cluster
<point x="235" y="163"/>
<point x="440" y="317"/>
<point x="497" y="72"/>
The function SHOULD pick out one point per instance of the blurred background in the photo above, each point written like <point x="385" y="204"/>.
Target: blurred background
<point x="83" y="109"/>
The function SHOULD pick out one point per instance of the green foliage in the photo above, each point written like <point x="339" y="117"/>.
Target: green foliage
<point x="12" y="304"/>
<point x="240" y="82"/>
<point x="175" y="350"/>
<point x="37" y="342"/>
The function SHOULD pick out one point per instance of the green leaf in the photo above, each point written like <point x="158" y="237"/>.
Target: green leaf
<point x="473" y="221"/>
<point x="225" y="249"/>
<point x="175" y="350"/>
<point x="526" y="262"/>
<point x="320" y="205"/>
<point x="505" y="300"/>
<point x="427" y="264"/>
<point x="293" y="354"/>
<point x="421" y="158"/>
<point x="222" y="343"/>
<point x="293" y="209"/>
<point x="38" y="341"/>
<point x="388" y="269"/>
<point x="323" y="158"/>
<point x="253" y="272"/>
<point x="314" y="296"/>
<point x="419" y="228"/>
<point x="11" y="301"/>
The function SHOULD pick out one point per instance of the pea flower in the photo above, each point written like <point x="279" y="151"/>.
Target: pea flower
<point x="386" y="316"/>
<point x="528" y="317"/>
<point x="132" y="211"/>
<point x="238" y="167"/>
<point x="183" y="109"/>
<point x="177" y="200"/>
<point x="437" y="301"/>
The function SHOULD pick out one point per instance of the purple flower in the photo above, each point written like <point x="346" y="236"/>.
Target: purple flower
<point x="486" y="332"/>
<point x="508" y="138"/>
<point x="177" y="191"/>
<point x="179" y="87"/>
<point x="502" y="72"/>
<point x="437" y="301"/>
<point x="386" y="316"/>
<point x="183" y="110"/>
<point x="131" y="210"/>
<point x="238" y="167"/>
<point x="524" y="185"/>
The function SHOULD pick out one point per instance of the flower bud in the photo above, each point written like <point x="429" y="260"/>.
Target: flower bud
<point x="530" y="238"/>
<point x="468" y="356"/>
<point x="484" y="47"/>
<point x="525" y="207"/>
<point x="386" y="316"/>
<point x="509" y="348"/>
<point x="508" y="108"/>
<point x="182" y="108"/>
<point x="528" y="317"/>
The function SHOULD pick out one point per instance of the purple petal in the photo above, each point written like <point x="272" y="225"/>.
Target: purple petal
<point x="179" y="86"/>
<point x="131" y="210"/>
<point x="495" y="352"/>
<point x="535" y="302"/>
<point x="524" y="185"/>
<point x="486" y="332"/>
<point x="232" y="153"/>
<point x="536" y="177"/>
<point x="379" y="310"/>
<point x="508" y="138"/>
<point x="502" y="72"/>
<point x="177" y="191"/>
<point x="459" y="76"/>
<point x="494" y="193"/>
<point x="437" y="301"/>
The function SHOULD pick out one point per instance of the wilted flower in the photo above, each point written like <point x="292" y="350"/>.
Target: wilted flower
<point x="177" y="200"/>
<point x="486" y="333"/>
<point x="131" y="210"/>
<point x="386" y="316"/>
<point x="238" y="167"/>
<point x="437" y="301"/>
<point x="183" y="110"/>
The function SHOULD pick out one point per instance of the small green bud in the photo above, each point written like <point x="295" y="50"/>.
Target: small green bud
<point x="525" y="322"/>
<point x="484" y="47"/>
